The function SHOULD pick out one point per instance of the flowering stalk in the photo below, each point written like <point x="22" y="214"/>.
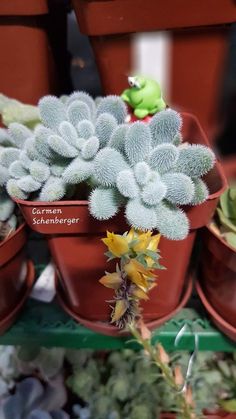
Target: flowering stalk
<point x="174" y="379"/>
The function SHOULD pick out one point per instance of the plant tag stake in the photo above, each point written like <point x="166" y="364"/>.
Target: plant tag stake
<point x="44" y="288"/>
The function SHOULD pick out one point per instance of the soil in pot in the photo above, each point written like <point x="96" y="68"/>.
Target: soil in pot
<point x="75" y="242"/>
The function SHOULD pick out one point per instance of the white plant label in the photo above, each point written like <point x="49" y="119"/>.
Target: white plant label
<point x="51" y="216"/>
<point x="44" y="288"/>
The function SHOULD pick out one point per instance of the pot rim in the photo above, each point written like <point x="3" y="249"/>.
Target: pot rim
<point x="221" y="239"/>
<point x="13" y="235"/>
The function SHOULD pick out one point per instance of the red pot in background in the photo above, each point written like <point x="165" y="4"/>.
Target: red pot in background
<point x="75" y="242"/>
<point x="16" y="276"/>
<point x="218" y="273"/>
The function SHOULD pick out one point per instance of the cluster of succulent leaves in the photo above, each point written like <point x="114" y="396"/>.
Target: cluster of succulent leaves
<point x="8" y="220"/>
<point x="226" y="212"/>
<point x="142" y="167"/>
<point x="11" y="110"/>
<point x="137" y="254"/>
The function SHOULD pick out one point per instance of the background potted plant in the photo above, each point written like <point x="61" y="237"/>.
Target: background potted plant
<point x="217" y="287"/>
<point x="82" y="142"/>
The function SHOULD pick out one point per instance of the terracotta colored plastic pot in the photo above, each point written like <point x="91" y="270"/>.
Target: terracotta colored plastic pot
<point x="75" y="242"/>
<point x="16" y="276"/>
<point x="218" y="268"/>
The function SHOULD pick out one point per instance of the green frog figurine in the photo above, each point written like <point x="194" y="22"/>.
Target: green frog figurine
<point x="144" y="96"/>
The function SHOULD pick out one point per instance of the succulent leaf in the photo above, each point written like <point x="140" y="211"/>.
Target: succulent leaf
<point x="85" y="129"/>
<point x="14" y="190"/>
<point x="105" y="126"/>
<point x="138" y="142"/>
<point x="164" y="126"/>
<point x="154" y="192"/>
<point x="117" y="139"/>
<point x="140" y="216"/>
<point x="195" y="160"/>
<point x="6" y="206"/>
<point x="83" y="97"/>
<point x="201" y="192"/>
<point x="90" y="148"/>
<point x="126" y="184"/>
<point x="39" y="171"/>
<point x="17" y="170"/>
<point x="142" y="173"/>
<point x="180" y="188"/>
<point x="107" y="165"/>
<point x="104" y="203"/>
<point x="19" y="133"/>
<point x="53" y="190"/>
<point x="113" y="105"/>
<point x="69" y="133"/>
<point x="9" y="155"/>
<point x="52" y="112"/>
<point x="78" y="171"/>
<point x="78" y="111"/>
<point x="4" y="175"/>
<point x="163" y="157"/>
<point x="171" y="222"/>
<point x="60" y="146"/>
<point x="28" y="184"/>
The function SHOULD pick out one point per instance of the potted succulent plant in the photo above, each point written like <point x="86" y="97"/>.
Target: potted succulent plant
<point x="218" y="264"/>
<point x="16" y="273"/>
<point x="84" y="171"/>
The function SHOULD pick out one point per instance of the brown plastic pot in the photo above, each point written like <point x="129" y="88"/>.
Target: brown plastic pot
<point x="16" y="276"/>
<point x="218" y="268"/>
<point x="75" y="242"/>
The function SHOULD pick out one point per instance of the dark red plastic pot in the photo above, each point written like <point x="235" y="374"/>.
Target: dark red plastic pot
<point x="218" y="269"/>
<point x="16" y="276"/>
<point x="79" y="253"/>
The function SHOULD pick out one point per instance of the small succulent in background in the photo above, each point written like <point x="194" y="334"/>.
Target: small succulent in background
<point x="33" y="400"/>
<point x="12" y="110"/>
<point x="226" y="212"/>
<point x="46" y="362"/>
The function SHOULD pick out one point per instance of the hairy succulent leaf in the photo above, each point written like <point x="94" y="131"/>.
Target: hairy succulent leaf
<point x="28" y="184"/>
<point x="171" y="222"/>
<point x="39" y="171"/>
<point x="14" y="190"/>
<point x="195" y="160"/>
<point x="4" y="175"/>
<point x="32" y="152"/>
<point x="138" y="142"/>
<point x="85" y="98"/>
<point x="52" y="111"/>
<point x="117" y="139"/>
<point x="104" y="203"/>
<point x="90" y="148"/>
<point x="53" y="190"/>
<point x="108" y="164"/>
<point x="19" y="133"/>
<point x="126" y="184"/>
<point x="8" y="156"/>
<point x="201" y="192"/>
<point x="78" y="111"/>
<point x="24" y="159"/>
<point x="163" y="157"/>
<point x="113" y="105"/>
<point x="60" y="146"/>
<point x="180" y="188"/>
<point x="140" y="216"/>
<point x="154" y="192"/>
<point x="78" y="171"/>
<point x="105" y="126"/>
<point x="164" y="126"/>
<point x="85" y="129"/>
<point x="69" y="133"/>
<point x="142" y="173"/>
<point x="17" y="170"/>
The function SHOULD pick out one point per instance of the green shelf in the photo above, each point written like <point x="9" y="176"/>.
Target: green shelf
<point x="47" y="325"/>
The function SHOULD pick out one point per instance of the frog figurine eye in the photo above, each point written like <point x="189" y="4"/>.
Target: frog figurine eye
<point x="133" y="82"/>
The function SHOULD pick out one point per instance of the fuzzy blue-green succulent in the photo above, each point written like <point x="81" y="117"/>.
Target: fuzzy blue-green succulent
<point x="62" y="149"/>
<point x="32" y="400"/>
<point x="143" y="167"/>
